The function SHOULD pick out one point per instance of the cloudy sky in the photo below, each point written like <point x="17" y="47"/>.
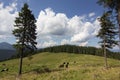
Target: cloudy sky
<point x="58" y="21"/>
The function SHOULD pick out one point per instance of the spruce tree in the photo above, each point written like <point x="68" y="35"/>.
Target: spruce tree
<point x="107" y="34"/>
<point x="114" y="7"/>
<point x="25" y="32"/>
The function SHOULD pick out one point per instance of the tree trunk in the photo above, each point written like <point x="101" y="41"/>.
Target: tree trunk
<point x="21" y="56"/>
<point x="105" y="56"/>
<point x="21" y="59"/>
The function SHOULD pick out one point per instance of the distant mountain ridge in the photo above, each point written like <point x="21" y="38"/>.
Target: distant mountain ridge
<point x="6" y="46"/>
<point x="6" y="51"/>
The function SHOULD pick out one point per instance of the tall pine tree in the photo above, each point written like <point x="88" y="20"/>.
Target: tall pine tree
<point x="114" y="7"/>
<point x="107" y="34"/>
<point x="25" y="32"/>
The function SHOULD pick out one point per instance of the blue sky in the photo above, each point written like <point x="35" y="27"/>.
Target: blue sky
<point x="69" y="7"/>
<point x="58" y="21"/>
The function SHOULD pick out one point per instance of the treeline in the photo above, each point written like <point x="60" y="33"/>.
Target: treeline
<point x="80" y="50"/>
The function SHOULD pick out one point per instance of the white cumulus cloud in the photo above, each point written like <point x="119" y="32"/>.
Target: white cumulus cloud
<point x="91" y="14"/>
<point x="86" y="31"/>
<point x="46" y="44"/>
<point x="7" y="17"/>
<point x="64" y="30"/>
<point x="50" y="23"/>
<point x="83" y="44"/>
<point x="65" y="41"/>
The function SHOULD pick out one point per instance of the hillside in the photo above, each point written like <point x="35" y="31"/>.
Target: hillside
<point x="6" y="51"/>
<point x="6" y="46"/>
<point x="81" y="50"/>
<point x="6" y="54"/>
<point x="45" y="66"/>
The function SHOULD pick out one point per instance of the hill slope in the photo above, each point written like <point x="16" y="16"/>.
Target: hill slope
<point x="44" y="66"/>
<point x="6" y="51"/>
<point x="6" y="54"/>
<point x="81" y="50"/>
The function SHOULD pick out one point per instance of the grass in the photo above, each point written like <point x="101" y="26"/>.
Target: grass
<point x="44" y="66"/>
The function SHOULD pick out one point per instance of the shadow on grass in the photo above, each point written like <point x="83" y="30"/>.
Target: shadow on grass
<point x="44" y="69"/>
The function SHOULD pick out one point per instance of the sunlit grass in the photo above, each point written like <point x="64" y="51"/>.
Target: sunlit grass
<point x="81" y="67"/>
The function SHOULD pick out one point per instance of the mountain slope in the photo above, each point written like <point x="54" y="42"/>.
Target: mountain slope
<point x="6" y="46"/>
<point x="6" y="54"/>
<point x="6" y="51"/>
<point x="44" y="66"/>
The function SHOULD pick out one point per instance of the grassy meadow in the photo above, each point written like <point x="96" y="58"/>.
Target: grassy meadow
<point x="45" y="66"/>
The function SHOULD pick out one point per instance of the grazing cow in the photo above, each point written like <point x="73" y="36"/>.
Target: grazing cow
<point x="5" y="69"/>
<point x="62" y="65"/>
<point x="67" y="65"/>
<point x="63" y="62"/>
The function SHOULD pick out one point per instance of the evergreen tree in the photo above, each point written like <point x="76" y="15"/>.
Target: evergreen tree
<point x="114" y="7"/>
<point x="25" y="32"/>
<point x="107" y="34"/>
